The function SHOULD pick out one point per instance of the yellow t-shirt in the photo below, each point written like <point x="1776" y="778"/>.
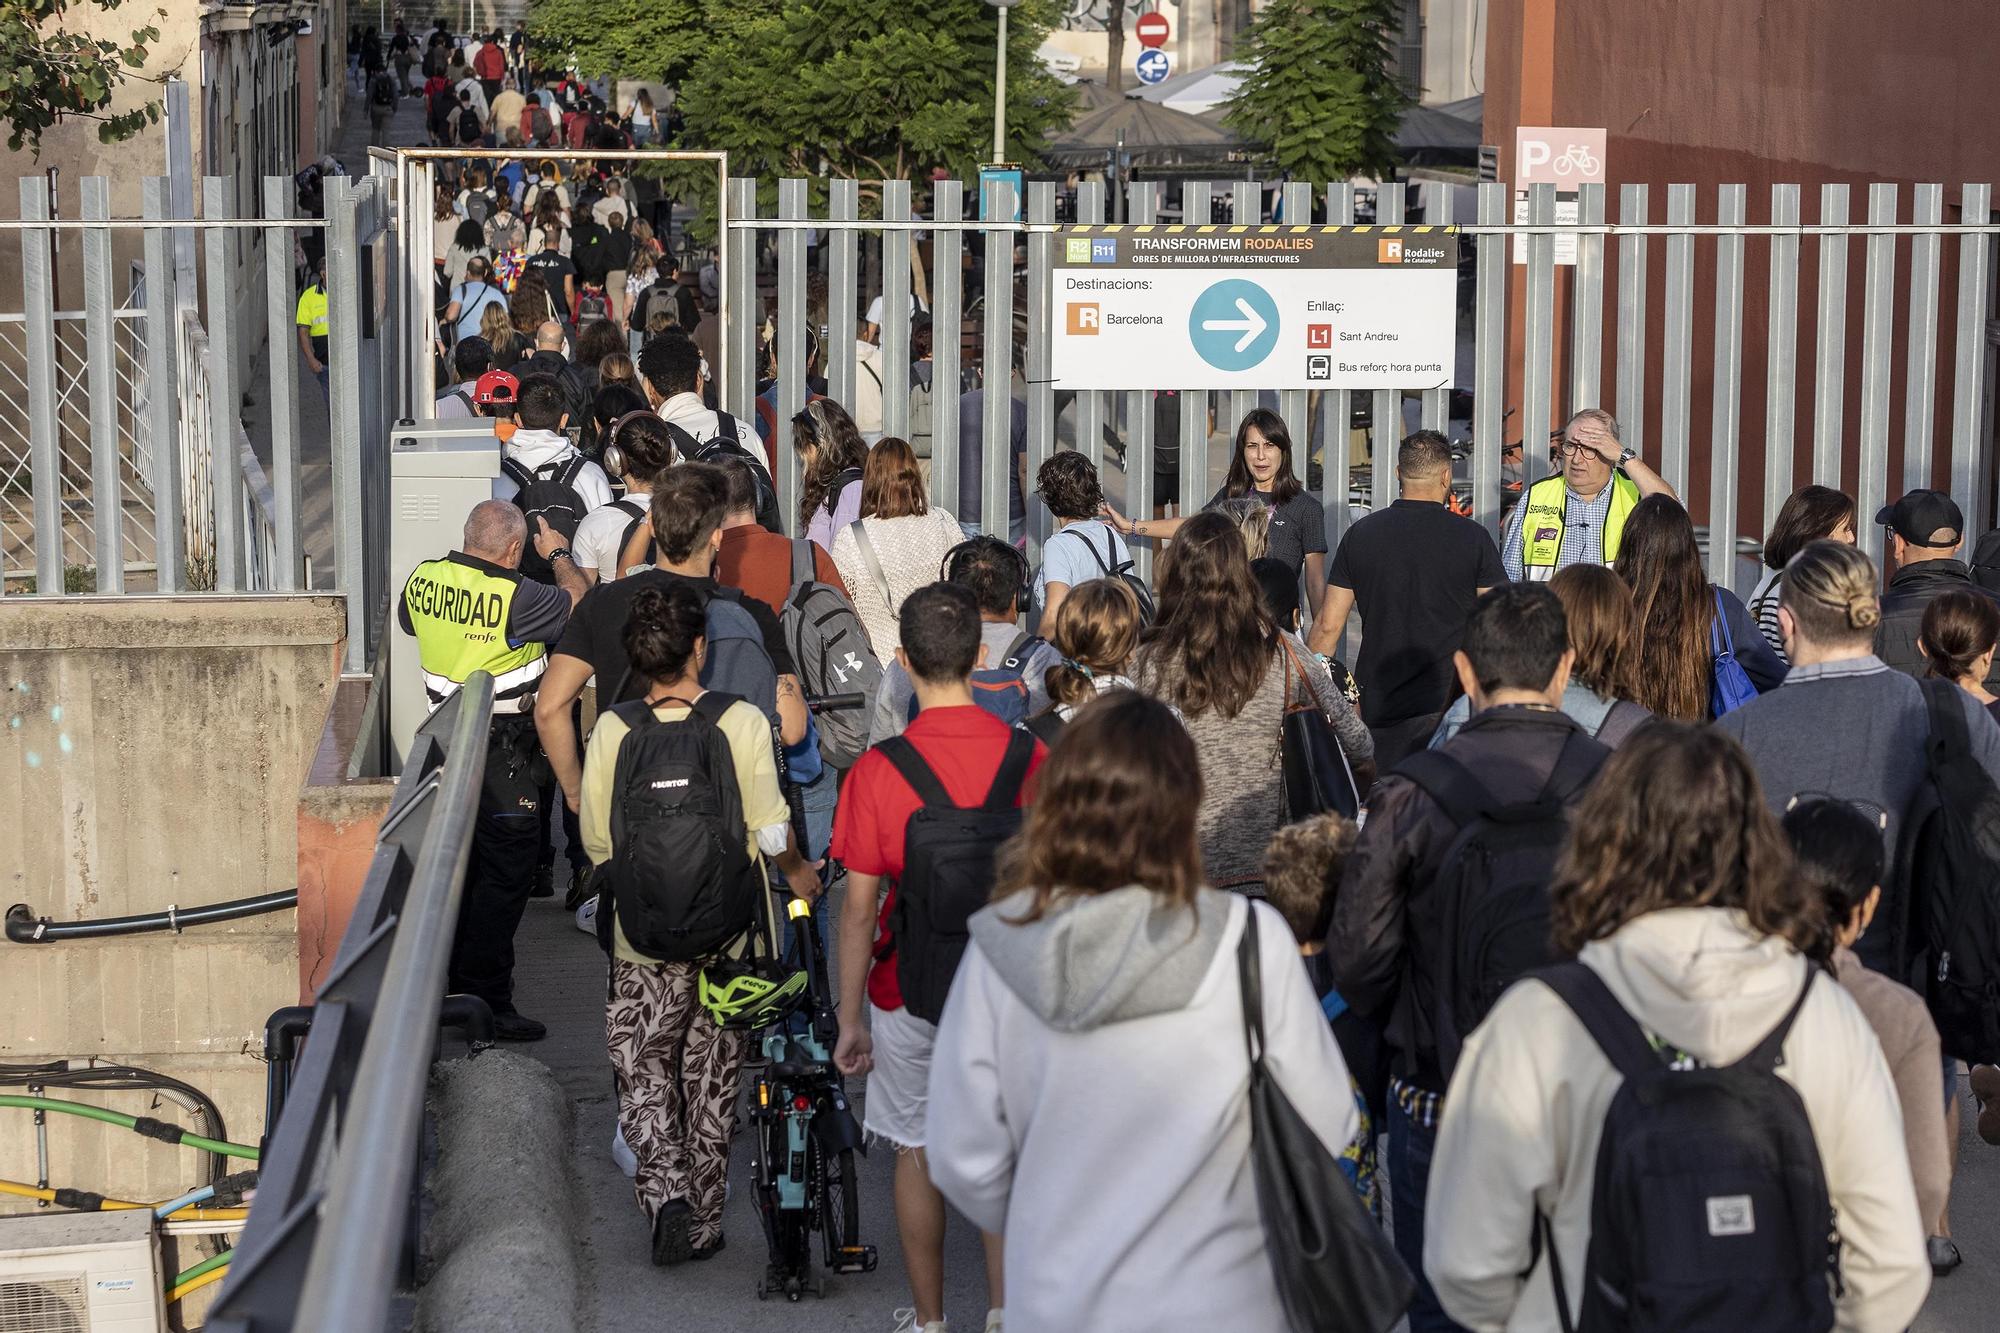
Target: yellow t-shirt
<point x="749" y="734"/>
<point x="312" y="311"/>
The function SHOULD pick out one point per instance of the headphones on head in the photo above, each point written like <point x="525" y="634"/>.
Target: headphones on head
<point x="955" y="558"/>
<point x="614" y="456"/>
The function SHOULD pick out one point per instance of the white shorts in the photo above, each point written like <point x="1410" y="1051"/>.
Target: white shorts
<point x="899" y="1086"/>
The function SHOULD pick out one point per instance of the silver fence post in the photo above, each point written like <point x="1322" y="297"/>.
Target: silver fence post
<point x="896" y="309"/>
<point x="1144" y="208"/>
<point x="1090" y="402"/>
<point x="1294" y="405"/>
<point x="1538" y="332"/>
<point x="1337" y="408"/>
<point x="107" y="487"/>
<point x="224" y="467"/>
<point x="1781" y="342"/>
<point x="423" y="374"/>
<point x="1246" y="209"/>
<point x="1969" y="355"/>
<point x="791" y="341"/>
<point x="179" y="179"/>
<point x="1877" y="332"/>
<point x="1830" y="333"/>
<point x="1196" y="208"/>
<point x="1677" y="342"/>
<point x="163" y="337"/>
<point x="741" y="314"/>
<point x="343" y="281"/>
<point x="1920" y="375"/>
<point x="947" y="342"/>
<point x="843" y="205"/>
<point x="279" y="305"/>
<point x="1436" y="402"/>
<point x="1586" y="326"/>
<point x="1041" y="388"/>
<point x="1725" y="433"/>
<point x="996" y="452"/>
<point x="44" y="457"/>
<point x="1386" y="421"/>
<point x="1489" y="359"/>
<point x="1633" y="211"/>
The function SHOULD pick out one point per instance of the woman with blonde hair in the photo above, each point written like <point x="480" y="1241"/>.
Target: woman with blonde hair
<point x="1096" y="629"/>
<point x="896" y="544"/>
<point x="509" y="347"/>
<point x="1252" y="518"/>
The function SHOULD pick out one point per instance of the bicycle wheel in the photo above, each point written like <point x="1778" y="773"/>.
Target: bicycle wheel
<point x="839" y="1202"/>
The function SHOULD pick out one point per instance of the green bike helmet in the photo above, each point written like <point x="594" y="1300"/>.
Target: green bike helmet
<point x="749" y="994"/>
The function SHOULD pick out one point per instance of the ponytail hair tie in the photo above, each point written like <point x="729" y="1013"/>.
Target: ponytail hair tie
<point x="1079" y="667"/>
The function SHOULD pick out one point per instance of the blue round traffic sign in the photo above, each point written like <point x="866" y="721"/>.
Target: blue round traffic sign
<point x="1234" y="324"/>
<point x="1151" y="65"/>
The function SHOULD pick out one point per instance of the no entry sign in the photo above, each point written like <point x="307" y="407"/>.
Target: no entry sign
<point x="1151" y="29"/>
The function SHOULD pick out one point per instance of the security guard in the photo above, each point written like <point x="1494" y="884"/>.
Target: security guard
<point x="311" y="319"/>
<point x="1577" y="516"/>
<point x="473" y="611"/>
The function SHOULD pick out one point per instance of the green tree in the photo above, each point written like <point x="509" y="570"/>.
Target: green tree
<point x="654" y="40"/>
<point x="1322" y="94"/>
<point x="48" y="71"/>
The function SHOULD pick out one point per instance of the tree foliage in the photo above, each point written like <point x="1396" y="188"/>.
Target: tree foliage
<point x="654" y="40"/>
<point x="1322" y="94"/>
<point x="48" y="71"/>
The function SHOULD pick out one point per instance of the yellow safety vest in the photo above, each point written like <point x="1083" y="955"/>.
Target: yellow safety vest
<point x="1547" y="509"/>
<point x="312" y="311"/>
<point x="458" y="609"/>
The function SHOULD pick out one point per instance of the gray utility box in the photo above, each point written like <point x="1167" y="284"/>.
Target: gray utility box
<point x="438" y="470"/>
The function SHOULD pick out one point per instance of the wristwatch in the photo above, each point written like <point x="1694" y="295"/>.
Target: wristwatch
<point x="1626" y="455"/>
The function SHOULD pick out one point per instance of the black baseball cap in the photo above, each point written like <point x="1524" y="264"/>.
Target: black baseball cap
<point x="1919" y="514"/>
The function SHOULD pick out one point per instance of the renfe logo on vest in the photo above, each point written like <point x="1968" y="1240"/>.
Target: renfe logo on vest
<point x="442" y="601"/>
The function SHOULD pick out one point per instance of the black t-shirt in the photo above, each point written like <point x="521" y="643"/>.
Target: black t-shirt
<point x="1298" y="526"/>
<point x="1415" y="569"/>
<point x="554" y="266"/>
<point x="596" y="630"/>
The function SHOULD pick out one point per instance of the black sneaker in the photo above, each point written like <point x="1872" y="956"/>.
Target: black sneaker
<point x="545" y="882"/>
<point x="701" y="1253"/>
<point x="579" y="887"/>
<point x="514" y="1025"/>
<point x="672" y="1226"/>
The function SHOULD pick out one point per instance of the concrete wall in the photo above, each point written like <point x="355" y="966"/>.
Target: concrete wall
<point x="152" y="754"/>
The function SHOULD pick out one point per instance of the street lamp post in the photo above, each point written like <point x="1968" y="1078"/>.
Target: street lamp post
<point x="1000" y="81"/>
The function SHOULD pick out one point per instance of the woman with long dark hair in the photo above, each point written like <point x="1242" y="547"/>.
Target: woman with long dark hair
<point x="1214" y="653"/>
<point x="1260" y="467"/>
<point x="832" y="455"/>
<point x="1808" y="514"/>
<point x="1104" y="972"/>
<point x="1678" y="612"/>
<point x="1678" y="897"/>
<point x="1960" y="630"/>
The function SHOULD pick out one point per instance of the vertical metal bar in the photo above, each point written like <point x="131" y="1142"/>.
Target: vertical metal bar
<point x="740" y="316"/>
<point x="1296" y="201"/>
<point x="1968" y="444"/>
<point x="1725" y="433"/>
<point x="1677" y="342"/>
<point x="1586" y="321"/>
<point x="1920" y="374"/>
<point x="1386" y="421"/>
<point x="1198" y="207"/>
<point x="947" y="324"/>
<point x="996" y="457"/>
<point x="1781" y="344"/>
<point x="1144" y="199"/>
<point x="416" y="205"/>
<point x="350" y="550"/>
<point x="163" y="392"/>
<point x="1538" y="355"/>
<point x="107" y="487"/>
<point x="1489" y="360"/>
<point x="791" y="341"/>
<point x="1437" y="401"/>
<point x="843" y="205"/>
<point x="1246" y="208"/>
<point x="44" y="456"/>
<point x="1090" y="402"/>
<point x="1830" y="332"/>
<point x="1041" y="392"/>
<point x="278" y="305"/>
<point x="1633" y="211"/>
<point x="895" y="358"/>
<point x="343" y="366"/>
<point x="1877" y="331"/>
<point x="179" y="203"/>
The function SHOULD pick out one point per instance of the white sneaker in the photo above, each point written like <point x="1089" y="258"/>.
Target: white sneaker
<point x="621" y="1153"/>
<point x="906" y="1322"/>
<point x="586" y="916"/>
<point x="993" y="1319"/>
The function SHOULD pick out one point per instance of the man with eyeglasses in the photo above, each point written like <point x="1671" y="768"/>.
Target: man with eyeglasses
<point x="1577" y="516"/>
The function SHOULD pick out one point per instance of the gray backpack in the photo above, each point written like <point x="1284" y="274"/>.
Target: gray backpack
<point x="831" y="650"/>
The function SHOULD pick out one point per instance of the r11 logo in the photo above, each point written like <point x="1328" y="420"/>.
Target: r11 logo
<point x="1103" y="250"/>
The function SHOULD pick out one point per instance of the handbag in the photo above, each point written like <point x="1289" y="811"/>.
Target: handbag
<point x="1729" y="686"/>
<point x="1335" y="1268"/>
<point x="1316" y="778"/>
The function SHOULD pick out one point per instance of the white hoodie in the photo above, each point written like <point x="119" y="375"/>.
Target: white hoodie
<point x="538" y="448"/>
<point x="1527" y="1102"/>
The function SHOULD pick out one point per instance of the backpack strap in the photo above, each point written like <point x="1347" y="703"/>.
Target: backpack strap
<point x="711" y="705"/>
<point x="1575" y="766"/>
<point x="465" y="398"/>
<point x="725" y="426"/>
<point x="572" y="470"/>
<point x="1948" y="733"/>
<point x="1463" y="797"/>
<point x="1017" y="651"/>
<point x="873" y="561"/>
<point x="520" y="476"/>
<point x="1769" y="1053"/>
<point x="684" y="441"/>
<point x="804" y="568"/>
<point x="1616" y="1032"/>
<point x="1005" y="793"/>
<point x="1046" y="726"/>
<point x="1091" y="546"/>
<point x="909" y="761"/>
<point x="1720" y="642"/>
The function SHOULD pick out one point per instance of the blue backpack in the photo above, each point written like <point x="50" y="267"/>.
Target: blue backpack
<point x="1729" y="686"/>
<point x="1002" y="690"/>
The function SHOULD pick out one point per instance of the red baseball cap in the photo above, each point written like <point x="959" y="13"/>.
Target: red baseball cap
<point x="496" y="386"/>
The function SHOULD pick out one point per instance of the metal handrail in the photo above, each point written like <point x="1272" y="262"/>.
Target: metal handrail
<point x="329" y="1224"/>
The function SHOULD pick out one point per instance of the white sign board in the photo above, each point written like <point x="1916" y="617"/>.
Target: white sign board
<point x="1566" y="211"/>
<point x="1564" y="156"/>
<point x="1271" y="307"/>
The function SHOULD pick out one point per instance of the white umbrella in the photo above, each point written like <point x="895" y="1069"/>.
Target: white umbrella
<point x="1198" y="91"/>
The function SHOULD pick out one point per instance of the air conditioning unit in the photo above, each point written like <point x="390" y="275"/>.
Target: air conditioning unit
<point x="81" y="1273"/>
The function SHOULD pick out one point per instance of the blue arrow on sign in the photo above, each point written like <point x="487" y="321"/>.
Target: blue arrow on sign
<point x="1234" y="324"/>
<point x="1151" y="65"/>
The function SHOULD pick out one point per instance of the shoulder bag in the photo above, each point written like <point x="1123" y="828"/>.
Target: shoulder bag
<point x="1316" y="776"/>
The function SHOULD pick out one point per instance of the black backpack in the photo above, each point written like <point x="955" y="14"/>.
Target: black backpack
<point x="548" y="492"/>
<point x="728" y="445"/>
<point x="1491" y="895"/>
<point x="469" y="129"/>
<point x="383" y="93"/>
<point x="948" y="871"/>
<point x="681" y="879"/>
<point x="640" y="514"/>
<point x="1709" y="1208"/>
<point x="1953" y="874"/>
<point x="1122" y="571"/>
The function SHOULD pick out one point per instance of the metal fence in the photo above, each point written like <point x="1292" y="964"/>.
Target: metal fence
<point x="329" y="1229"/>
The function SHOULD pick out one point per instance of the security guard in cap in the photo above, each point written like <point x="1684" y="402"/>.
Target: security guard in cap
<point x="473" y="611"/>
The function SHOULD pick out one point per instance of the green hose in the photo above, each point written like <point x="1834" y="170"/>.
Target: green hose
<point x="205" y="1266"/>
<point x="146" y="1125"/>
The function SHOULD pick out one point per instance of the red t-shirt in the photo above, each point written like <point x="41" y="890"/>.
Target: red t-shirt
<point x="760" y="564"/>
<point x="963" y="746"/>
